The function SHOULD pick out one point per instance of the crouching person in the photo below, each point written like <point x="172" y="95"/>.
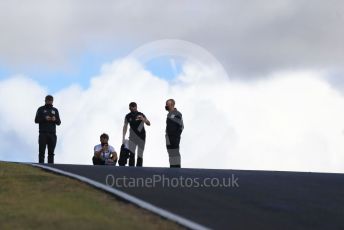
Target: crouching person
<point x="104" y="154"/>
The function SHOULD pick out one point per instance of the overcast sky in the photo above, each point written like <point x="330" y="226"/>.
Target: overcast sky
<point x="250" y="38"/>
<point x="280" y="58"/>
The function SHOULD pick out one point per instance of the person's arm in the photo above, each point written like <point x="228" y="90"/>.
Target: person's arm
<point x="181" y="122"/>
<point x="144" y="119"/>
<point x="114" y="155"/>
<point x="56" y="118"/>
<point x="97" y="152"/>
<point x="39" y="116"/>
<point x="125" y="128"/>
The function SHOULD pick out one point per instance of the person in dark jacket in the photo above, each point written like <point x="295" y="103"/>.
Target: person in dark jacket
<point x="174" y="129"/>
<point x="47" y="117"/>
<point x="137" y="133"/>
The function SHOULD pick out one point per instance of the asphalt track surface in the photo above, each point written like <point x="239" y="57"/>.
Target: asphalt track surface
<point x="253" y="200"/>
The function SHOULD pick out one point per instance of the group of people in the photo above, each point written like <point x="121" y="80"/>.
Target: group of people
<point x="48" y="117"/>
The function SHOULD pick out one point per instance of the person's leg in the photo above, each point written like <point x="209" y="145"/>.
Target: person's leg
<point x="174" y="166"/>
<point x="94" y="160"/>
<point x="114" y="158"/>
<point x="51" y="147"/>
<point x="123" y="156"/>
<point x="172" y="145"/>
<point x="42" y="142"/>
<point x="97" y="161"/>
<point x="132" y="149"/>
<point x="131" y="159"/>
<point x="140" y="149"/>
<point x="139" y="161"/>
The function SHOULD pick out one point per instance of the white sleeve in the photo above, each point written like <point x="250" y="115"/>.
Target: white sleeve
<point x="112" y="149"/>
<point x="96" y="148"/>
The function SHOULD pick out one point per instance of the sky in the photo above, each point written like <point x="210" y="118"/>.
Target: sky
<point x="259" y="83"/>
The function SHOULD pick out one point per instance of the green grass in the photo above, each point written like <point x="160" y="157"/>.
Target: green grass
<point x="31" y="198"/>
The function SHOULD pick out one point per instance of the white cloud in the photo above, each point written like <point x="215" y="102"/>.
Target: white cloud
<point x="17" y="133"/>
<point x="291" y="121"/>
<point x="247" y="36"/>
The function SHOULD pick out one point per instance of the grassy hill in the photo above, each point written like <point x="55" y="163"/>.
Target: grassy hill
<point x="31" y="198"/>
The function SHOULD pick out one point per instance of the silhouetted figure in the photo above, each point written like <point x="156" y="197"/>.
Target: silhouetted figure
<point x="174" y="129"/>
<point x="137" y="133"/>
<point x="47" y="117"/>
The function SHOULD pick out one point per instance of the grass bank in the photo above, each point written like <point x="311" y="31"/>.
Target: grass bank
<point x="31" y="198"/>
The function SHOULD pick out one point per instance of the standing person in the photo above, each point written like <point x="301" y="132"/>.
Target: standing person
<point x="174" y="129"/>
<point x="137" y="133"/>
<point x="47" y="117"/>
<point x="104" y="154"/>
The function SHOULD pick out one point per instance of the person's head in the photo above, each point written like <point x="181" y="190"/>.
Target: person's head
<point x="170" y="104"/>
<point x="49" y="100"/>
<point x="104" y="139"/>
<point x="133" y="107"/>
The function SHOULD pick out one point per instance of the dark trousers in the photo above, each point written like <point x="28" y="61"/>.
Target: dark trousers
<point x="46" y="140"/>
<point x="172" y="145"/>
<point x="98" y="161"/>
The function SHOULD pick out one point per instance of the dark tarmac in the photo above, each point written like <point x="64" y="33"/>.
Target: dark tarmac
<point x="247" y="200"/>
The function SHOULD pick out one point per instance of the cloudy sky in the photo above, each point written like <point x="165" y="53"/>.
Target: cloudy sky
<point x="260" y="83"/>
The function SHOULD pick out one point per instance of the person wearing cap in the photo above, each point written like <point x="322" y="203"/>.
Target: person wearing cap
<point x="47" y="117"/>
<point x="174" y="129"/>
<point x="104" y="154"/>
<point x="137" y="133"/>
